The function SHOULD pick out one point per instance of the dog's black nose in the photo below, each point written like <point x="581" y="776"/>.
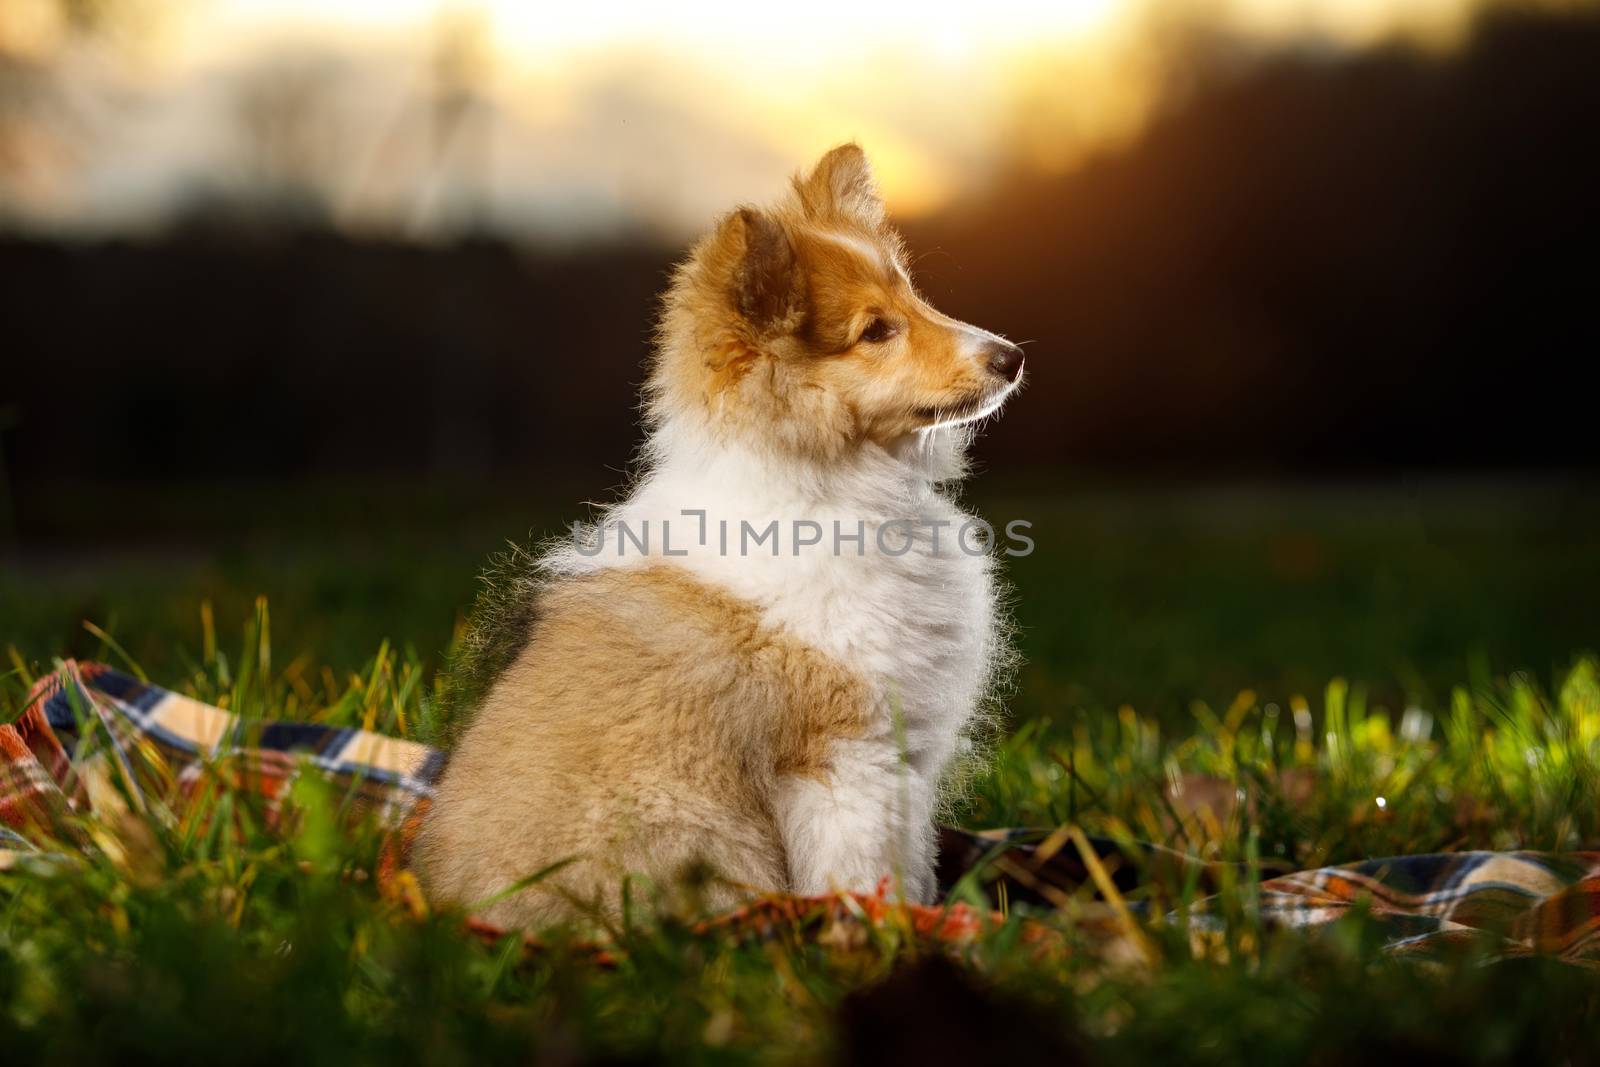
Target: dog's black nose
<point x="1005" y="359"/>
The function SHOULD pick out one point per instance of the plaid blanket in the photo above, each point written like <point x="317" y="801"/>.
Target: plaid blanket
<point x="87" y="717"/>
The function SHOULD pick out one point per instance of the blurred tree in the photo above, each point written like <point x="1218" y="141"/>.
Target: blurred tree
<point x="460" y="124"/>
<point x="291" y="138"/>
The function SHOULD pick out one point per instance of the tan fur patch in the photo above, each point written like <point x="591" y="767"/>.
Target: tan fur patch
<point x="643" y="729"/>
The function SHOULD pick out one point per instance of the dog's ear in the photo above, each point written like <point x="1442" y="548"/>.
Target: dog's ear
<point x="764" y="274"/>
<point x="841" y="186"/>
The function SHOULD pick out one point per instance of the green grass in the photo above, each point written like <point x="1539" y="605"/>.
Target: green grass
<point x="1148" y="597"/>
<point x="262" y="944"/>
<point x="277" y="945"/>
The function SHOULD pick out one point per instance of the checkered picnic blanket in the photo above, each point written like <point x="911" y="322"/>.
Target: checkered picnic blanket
<point x="86" y="718"/>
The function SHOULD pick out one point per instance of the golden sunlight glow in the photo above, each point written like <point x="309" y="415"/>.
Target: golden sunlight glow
<point x="668" y="112"/>
<point x="793" y="81"/>
<point x="759" y="35"/>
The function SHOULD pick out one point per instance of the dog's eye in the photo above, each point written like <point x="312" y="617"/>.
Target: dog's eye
<point x="877" y="330"/>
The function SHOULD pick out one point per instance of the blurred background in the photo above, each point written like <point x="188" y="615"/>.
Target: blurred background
<point x="325" y="301"/>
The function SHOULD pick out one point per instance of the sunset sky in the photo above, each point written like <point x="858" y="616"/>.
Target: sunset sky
<point x="568" y="121"/>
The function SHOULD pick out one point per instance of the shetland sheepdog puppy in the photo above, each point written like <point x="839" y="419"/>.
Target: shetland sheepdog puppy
<point x="766" y="660"/>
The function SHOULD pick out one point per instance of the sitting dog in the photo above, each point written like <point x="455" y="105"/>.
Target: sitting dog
<point x="766" y="659"/>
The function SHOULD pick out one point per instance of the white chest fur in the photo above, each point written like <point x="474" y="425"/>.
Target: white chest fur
<point x="874" y="567"/>
<point x="881" y="571"/>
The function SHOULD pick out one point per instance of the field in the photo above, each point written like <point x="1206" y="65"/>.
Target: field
<point x="1437" y="633"/>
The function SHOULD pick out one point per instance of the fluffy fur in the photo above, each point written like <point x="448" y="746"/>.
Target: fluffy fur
<point x="782" y="715"/>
